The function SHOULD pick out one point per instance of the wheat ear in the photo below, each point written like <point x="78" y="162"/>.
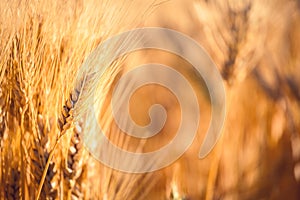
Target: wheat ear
<point x="74" y="162"/>
<point x="64" y="123"/>
<point x="39" y="159"/>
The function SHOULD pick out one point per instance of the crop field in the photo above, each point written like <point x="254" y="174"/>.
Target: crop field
<point x="59" y="73"/>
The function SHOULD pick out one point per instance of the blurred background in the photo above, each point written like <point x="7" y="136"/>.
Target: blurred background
<point x="255" y="45"/>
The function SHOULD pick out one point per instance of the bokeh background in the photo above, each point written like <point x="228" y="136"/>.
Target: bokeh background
<point x="255" y="45"/>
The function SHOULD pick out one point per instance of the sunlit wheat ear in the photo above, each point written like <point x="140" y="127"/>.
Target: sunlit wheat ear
<point x="74" y="159"/>
<point x="114" y="185"/>
<point x="80" y="98"/>
<point x="66" y="117"/>
<point x="73" y="164"/>
<point x="14" y="77"/>
<point x="40" y="155"/>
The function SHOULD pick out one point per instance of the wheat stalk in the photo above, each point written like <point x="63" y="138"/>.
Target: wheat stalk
<point x="2" y="116"/>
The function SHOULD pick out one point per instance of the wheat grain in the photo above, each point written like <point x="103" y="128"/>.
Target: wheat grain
<point x="74" y="162"/>
<point x="66" y="117"/>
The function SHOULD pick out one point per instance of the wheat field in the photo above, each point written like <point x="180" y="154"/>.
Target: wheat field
<point x="44" y="93"/>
